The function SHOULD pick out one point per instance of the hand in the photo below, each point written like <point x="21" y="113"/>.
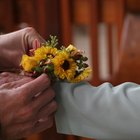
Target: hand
<point x="15" y="44"/>
<point x="6" y="77"/>
<point x="26" y="105"/>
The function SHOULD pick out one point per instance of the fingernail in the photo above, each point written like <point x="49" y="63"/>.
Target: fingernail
<point x="45" y="75"/>
<point x="36" y="44"/>
<point x="37" y="95"/>
<point x="41" y="120"/>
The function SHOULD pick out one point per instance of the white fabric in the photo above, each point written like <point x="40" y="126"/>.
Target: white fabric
<point x="103" y="112"/>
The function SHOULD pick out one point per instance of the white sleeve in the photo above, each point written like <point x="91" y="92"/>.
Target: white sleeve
<point x="103" y="112"/>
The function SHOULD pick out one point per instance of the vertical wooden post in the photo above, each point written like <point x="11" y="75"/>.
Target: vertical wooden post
<point x="48" y="17"/>
<point x="94" y="40"/>
<point x="41" y="17"/>
<point x="110" y="48"/>
<point x="66" y="24"/>
<point x="6" y="16"/>
<point x="120" y="17"/>
<point x="121" y="10"/>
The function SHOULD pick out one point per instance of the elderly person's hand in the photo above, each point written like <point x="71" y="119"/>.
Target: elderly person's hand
<point x="26" y="105"/>
<point x="14" y="44"/>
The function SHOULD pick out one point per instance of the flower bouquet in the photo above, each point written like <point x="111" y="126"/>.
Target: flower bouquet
<point x="59" y="63"/>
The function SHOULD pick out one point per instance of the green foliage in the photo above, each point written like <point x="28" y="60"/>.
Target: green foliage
<point x="53" y="41"/>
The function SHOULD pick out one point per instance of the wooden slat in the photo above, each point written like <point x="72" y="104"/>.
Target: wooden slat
<point x="6" y="16"/>
<point x="128" y="68"/>
<point x="66" y="24"/>
<point x="94" y="40"/>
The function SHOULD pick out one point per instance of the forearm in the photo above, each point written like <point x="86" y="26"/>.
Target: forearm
<point x="99" y="112"/>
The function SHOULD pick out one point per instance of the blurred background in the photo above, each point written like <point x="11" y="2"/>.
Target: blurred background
<point x="107" y="30"/>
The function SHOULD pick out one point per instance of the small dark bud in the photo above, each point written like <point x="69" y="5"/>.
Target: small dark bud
<point x="85" y="65"/>
<point x="84" y="58"/>
<point x="78" y="56"/>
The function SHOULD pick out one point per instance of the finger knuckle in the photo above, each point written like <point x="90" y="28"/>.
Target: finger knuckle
<point x="26" y="114"/>
<point x="49" y="123"/>
<point x="29" y="29"/>
<point x="21" y="96"/>
<point x="46" y="79"/>
<point x="51" y="93"/>
<point x="5" y="74"/>
<point x="54" y="105"/>
<point x="7" y="85"/>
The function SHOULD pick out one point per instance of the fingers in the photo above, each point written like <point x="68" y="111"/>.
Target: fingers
<point x="30" y="34"/>
<point x="16" y="84"/>
<point x="41" y="126"/>
<point x="12" y="80"/>
<point x="7" y="77"/>
<point x="36" y="44"/>
<point x="47" y="110"/>
<point x="37" y="85"/>
<point x="34" y="35"/>
<point x="33" y="109"/>
<point x="43" y="99"/>
<point x="39" y="122"/>
<point x="21" y="130"/>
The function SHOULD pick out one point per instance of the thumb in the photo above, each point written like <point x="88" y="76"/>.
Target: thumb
<point x="37" y="85"/>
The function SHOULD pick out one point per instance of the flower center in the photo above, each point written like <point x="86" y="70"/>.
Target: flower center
<point x="49" y="55"/>
<point x="65" y="65"/>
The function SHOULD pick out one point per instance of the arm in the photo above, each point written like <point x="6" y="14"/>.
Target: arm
<point x="105" y="112"/>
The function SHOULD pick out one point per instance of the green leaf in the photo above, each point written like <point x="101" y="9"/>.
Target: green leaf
<point x="53" y="42"/>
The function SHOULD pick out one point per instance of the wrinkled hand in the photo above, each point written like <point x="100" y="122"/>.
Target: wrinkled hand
<point x="15" y="44"/>
<point x="26" y="105"/>
<point x="6" y="77"/>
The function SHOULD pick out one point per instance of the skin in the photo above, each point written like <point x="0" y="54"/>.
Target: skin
<point x="27" y="105"/>
<point x="14" y="45"/>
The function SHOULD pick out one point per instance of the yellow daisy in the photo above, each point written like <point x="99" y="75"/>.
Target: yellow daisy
<point x="81" y="76"/>
<point x="64" y="67"/>
<point x="44" y="52"/>
<point x="28" y="63"/>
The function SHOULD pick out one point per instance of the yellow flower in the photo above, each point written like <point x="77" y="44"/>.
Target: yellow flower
<point x="71" y="48"/>
<point x="59" y="63"/>
<point x="28" y="63"/>
<point x="81" y="76"/>
<point x="64" y="67"/>
<point x="44" y="52"/>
